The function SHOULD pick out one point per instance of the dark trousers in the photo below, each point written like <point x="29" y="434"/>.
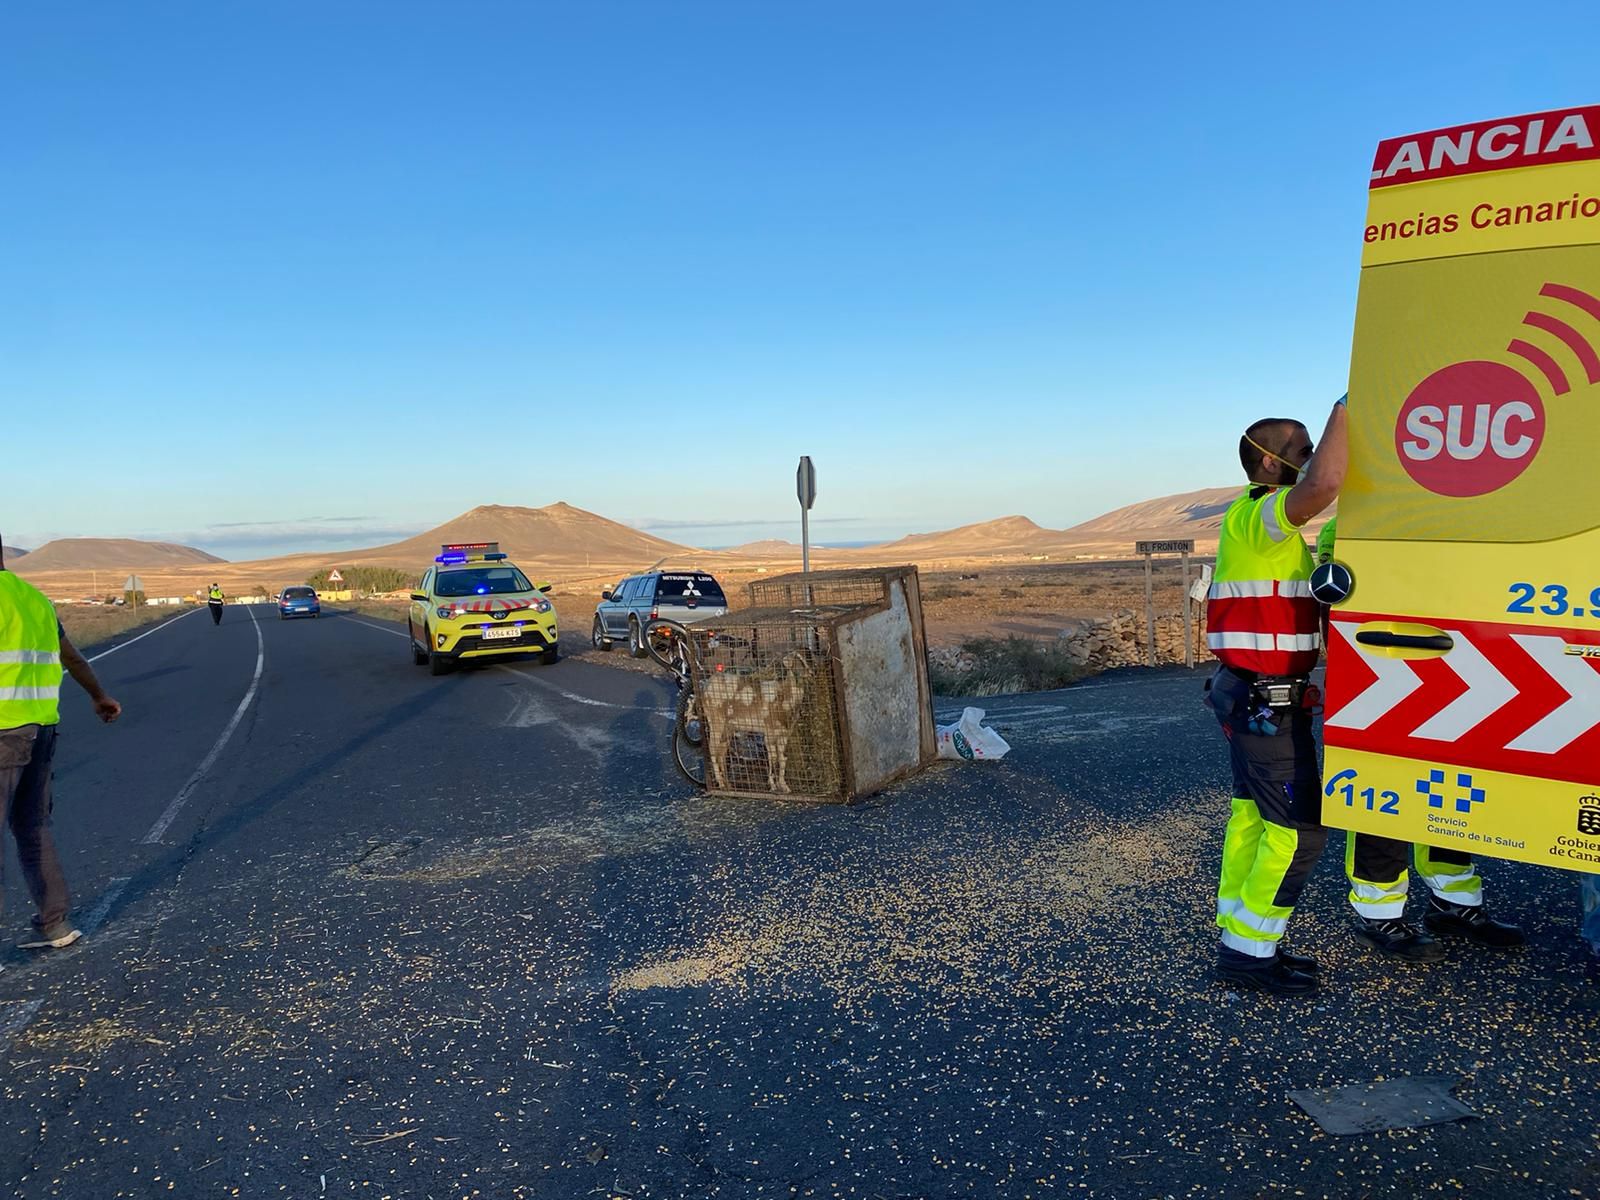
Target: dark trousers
<point x="1376" y="867"/>
<point x="1383" y="859"/>
<point x="216" y="611"/>
<point x="26" y="754"/>
<point x="1275" y="834"/>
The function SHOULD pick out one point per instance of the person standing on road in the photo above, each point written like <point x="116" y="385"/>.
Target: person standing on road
<point x="33" y="650"/>
<point x="1263" y="625"/>
<point x="214" y="602"/>
<point x="1376" y="869"/>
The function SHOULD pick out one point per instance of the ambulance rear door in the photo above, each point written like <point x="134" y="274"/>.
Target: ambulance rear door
<point x="1463" y="688"/>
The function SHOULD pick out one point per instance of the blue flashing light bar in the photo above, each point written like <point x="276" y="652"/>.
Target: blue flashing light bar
<point x="452" y="553"/>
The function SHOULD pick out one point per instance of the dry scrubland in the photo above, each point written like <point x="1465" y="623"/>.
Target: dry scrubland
<point x="998" y="595"/>
<point x="1009" y="618"/>
<point x="87" y="624"/>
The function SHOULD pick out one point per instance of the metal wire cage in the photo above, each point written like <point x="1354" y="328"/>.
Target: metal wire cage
<point x="818" y="690"/>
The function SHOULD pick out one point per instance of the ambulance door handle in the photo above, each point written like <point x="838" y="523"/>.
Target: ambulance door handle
<point x="1441" y="642"/>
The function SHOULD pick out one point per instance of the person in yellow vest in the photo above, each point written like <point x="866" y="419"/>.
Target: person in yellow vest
<point x="214" y="602"/>
<point x="33" y="651"/>
<point x="1263" y="625"/>
<point x="1376" y="869"/>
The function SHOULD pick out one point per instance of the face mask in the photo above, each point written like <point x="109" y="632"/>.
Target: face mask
<point x="1298" y="471"/>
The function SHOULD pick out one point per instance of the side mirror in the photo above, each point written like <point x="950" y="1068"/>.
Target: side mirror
<point x="419" y="595"/>
<point x="605" y="593"/>
<point x="542" y="585"/>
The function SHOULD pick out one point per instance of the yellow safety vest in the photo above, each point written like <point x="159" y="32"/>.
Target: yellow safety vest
<point x="30" y="656"/>
<point x="213" y="594"/>
<point x="1260" y="615"/>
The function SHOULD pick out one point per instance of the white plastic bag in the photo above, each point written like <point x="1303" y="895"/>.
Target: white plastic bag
<point x="968" y="738"/>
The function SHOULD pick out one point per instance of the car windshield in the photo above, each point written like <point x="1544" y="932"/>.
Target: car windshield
<point x="298" y="593"/>
<point x="481" y="581"/>
<point x="702" y="589"/>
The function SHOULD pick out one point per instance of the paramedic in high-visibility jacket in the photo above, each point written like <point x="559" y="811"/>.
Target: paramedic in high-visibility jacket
<point x="1264" y="626"/>
<point x="1376" y="869"/>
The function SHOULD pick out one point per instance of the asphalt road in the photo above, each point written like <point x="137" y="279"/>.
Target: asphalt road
<point x="357" y="931"/>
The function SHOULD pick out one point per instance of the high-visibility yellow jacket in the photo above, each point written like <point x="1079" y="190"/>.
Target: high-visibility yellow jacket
<point x="1260" y="614"/>
<point x="30" y="656"/>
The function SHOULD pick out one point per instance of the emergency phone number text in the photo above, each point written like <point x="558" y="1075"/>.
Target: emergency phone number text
<point x="1557" y="600"/>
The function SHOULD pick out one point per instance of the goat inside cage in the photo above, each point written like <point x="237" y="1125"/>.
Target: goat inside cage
<point x="820" y="691"/>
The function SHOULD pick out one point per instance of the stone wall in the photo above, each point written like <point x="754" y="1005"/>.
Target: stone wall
<point x="1119" y="641"/>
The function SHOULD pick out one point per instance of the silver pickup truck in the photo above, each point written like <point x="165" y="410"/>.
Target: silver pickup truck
<point x="625" y="610"/>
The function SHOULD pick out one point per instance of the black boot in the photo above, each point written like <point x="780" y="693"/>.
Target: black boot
<point x="1394" y="936"/>
<point x="1471" y="921"/>
<point x="1303" y="963"/>
<point x="1262" y="974"/>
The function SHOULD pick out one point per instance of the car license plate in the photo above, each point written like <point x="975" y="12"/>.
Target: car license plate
<point x="510" y="631"/>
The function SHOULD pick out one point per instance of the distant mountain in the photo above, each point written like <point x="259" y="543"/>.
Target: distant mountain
<point x="1007" y="535"/>
<point x="12" y="552"/>
<point x="556" y="533"/>
<point x="114" y="554"/>
<point x="1186" y="515"/>
<point x="1196" y="515"/>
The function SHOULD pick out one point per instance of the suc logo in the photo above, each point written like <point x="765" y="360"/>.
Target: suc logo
<point x="1472" y="427"/>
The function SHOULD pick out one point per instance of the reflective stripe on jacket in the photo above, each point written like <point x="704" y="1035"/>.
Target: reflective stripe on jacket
<point x="30" y="656"/>
<point x="1260" y="614"/>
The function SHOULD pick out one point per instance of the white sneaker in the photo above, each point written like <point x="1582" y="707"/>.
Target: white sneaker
<point x="58" y="935"/>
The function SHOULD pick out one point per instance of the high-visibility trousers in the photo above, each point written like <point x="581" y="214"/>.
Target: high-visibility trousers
<point x="1376" y="868"/>
<point x="1275" y="834"/>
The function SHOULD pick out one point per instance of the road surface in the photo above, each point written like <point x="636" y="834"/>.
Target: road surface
<point x="357" y="931"/>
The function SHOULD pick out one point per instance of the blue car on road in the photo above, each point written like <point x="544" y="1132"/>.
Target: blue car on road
<point x="298" y="602"/>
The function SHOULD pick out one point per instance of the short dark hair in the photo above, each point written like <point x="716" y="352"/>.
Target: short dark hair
<point x="1271" y="432"/>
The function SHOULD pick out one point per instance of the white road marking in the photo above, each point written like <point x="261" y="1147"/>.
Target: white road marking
<point x="98" y="913"/>
<point x="574" y="697"/>
<point x="379" y="628"/>
<point x="142" y="636"/>
<point x="526" y="678"/>
<point x="178" y="801"/>
<point x="18" y="1021"/>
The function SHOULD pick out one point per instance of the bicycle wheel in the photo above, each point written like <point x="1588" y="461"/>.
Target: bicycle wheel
<point x="688" y="718"/>
<point x="689" y="756"/>
<point x="668" y="644"/>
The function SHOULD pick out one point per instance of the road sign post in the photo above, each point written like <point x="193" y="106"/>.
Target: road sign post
<point x="1188" y="616"/>
<point x="1184" y="547"/>
<point x="805" y="486"/>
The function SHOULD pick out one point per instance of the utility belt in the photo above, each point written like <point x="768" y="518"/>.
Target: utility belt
<point x="1280" y="691"/>
<point x="1263" y="702"/>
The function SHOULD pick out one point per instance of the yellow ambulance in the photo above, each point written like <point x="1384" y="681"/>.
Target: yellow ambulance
<point x="1463" y="686"/>
<point x="475" y="604"/>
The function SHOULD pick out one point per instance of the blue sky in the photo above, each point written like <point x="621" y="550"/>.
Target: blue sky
<point x="317" y="275"/>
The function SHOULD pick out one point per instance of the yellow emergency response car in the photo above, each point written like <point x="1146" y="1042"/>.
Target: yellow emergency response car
<point x="473" y="604"/>
<point x="1463" y="692"/>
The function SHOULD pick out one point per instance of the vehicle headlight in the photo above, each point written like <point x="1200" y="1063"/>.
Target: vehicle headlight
<point x="541" y="606"/>
<point x="445" y="613"/>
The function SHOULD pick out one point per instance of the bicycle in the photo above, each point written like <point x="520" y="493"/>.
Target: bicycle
<point x="671" y="645"/>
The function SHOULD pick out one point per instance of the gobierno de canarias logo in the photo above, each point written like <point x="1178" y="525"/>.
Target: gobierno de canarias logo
<point x="1472" y="427"/>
